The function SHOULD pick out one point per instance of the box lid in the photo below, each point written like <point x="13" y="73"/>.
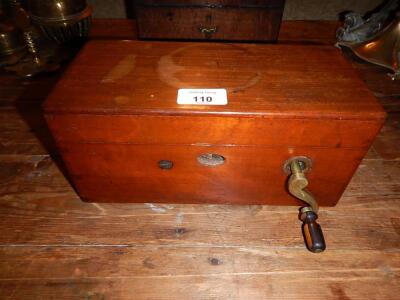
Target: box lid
<point x="143" y="77"/>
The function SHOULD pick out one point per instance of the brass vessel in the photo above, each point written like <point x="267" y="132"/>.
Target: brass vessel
<point x="383" y="49"/>
<point x="10" y="39"/>
<point x="61" y="20"/>
<point x="12" y="46"/>
<point x="376" y="38"/>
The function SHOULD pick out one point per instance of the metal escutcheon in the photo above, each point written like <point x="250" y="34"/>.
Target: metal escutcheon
<point x="211" y="159"/>
<point x="304" y="161"/>
<point x="165" y="164"/>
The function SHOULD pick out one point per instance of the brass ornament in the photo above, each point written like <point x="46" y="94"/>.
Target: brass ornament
<point x="48" y="33"/>
<point x="383" y="49"/>
<point x="374" y="39"/>
<point x="12" y="46"/>
<point x="61" y="20"/>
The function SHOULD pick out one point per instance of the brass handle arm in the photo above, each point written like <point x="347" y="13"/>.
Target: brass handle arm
<point x="312" y="232"/>
<point x="298" y="183"/>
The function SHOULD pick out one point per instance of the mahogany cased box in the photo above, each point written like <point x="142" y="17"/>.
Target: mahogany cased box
<point x="124" y="138"/>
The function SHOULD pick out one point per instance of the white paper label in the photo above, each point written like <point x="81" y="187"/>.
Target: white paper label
<point x="202" y="96"/>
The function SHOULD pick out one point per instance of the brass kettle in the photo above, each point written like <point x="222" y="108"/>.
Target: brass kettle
<point x="374" y="38"/>
<point x="383" y="49"/>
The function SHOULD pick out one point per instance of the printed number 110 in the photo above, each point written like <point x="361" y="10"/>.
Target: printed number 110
<point x="203" y="99"/>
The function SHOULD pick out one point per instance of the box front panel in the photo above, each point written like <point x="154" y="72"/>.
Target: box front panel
<point x="248" y="175"/>
<point x="119" y="158"/>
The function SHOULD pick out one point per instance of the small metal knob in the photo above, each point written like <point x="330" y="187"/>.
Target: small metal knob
<point x="165" y="164"/>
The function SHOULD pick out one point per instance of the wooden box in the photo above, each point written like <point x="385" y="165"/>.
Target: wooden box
<point x="117" y="124"/>
<point x="257" y="20"/>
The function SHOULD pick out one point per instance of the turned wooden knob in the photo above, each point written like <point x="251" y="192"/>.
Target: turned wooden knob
<point x="312" y="232"/>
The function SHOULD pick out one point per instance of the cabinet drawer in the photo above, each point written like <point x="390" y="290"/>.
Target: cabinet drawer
<point x="213" y="23"/>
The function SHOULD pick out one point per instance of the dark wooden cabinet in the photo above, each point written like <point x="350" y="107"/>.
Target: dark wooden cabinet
<point x="124" y="137"/>
<point x="214" y="20"/>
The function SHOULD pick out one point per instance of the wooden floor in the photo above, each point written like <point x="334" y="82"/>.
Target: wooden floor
<point x="53" y="246"/>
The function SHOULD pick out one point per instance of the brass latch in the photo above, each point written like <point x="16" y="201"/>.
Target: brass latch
<point x="297" y="183"/>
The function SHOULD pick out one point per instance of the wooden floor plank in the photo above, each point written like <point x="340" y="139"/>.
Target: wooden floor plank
<point x="354" y="285"/>
<point x="245" y="272"/>
<point x="207" y="229"/>
<point x="149" y="261"/>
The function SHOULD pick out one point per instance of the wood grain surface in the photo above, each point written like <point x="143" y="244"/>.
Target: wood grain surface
<point x="261" y="80"/>
<point x="54" y="246"/>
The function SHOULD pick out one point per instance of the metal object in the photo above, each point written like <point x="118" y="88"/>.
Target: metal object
<point x="208" y="31"/>
<point x="61" y="20"/>
<point x="165" y="164"/>
<point x="11" y="41"/>
<point x="383" y="49"/>
<point x="297" y="184"/>
<point x="304" y="161"/>
<point x="211" y="159"/>
<point x="40" y="54"/>
<point x="30" y="42"/>
<point x="356" y="29"/>
<point x="373" y="42"/>
<point x="23" y="22"/>
<point x="33" y="63"/>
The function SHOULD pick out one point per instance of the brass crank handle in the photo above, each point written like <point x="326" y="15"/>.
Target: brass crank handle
<point x="312" y="232"/>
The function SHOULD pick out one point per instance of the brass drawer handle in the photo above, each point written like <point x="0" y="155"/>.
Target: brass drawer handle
<point x="297" y="183"/>
<point x="208" y="31"/>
